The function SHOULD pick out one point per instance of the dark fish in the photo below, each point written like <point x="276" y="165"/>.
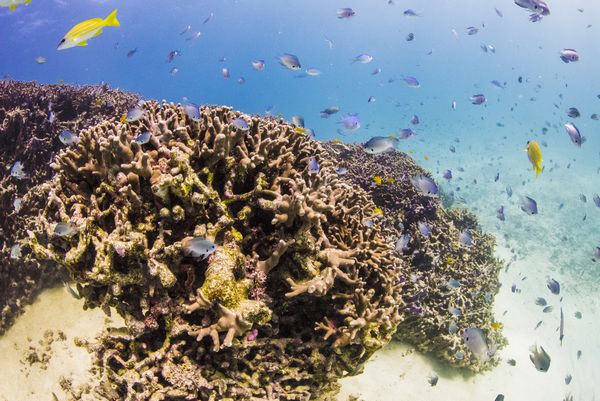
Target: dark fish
<point x="499" y="397"/>
<point x="131" y="53"/>
<point x="447" y="175"/>
<point x="509" y="191"/>
<point x="500" y="214"/>
<point x="538" y="324"/>
<point x="346" y="12"/>
<point x="410" y="37"/>
<point x="477" y="99"/>
<point x="573" y="112"/>
<point x="415" y="120"/>
<point x="577" y="315"/>
<point x="562" y="326"/>
<point x="433" y="379"/>
<point x="472" y="30"/>
<point x="553" y="286"/>
<point x="498" y="13"/>
<point x="512" y="362"/>
<point x="568" y="379"/>
<point x="410" y="13"/>
<point x="172" y="55"/>
<point x="406" y="133"/>
<point x="540" y="302"/>
<point x="207" y="19"/>
<point x="595" y="117"/>
<point x="548" y="309"/>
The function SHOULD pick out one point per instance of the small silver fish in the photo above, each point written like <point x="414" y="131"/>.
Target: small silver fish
<point x="192" y="111"/>
<point x="362" y="59"/>
<point x="475" y="342"/>
<point x="477" y="99"/>
<point x="411" y="82"/>
<point x="540" y="358"/>
<point x="143" y="138"/>
<point x="67" y="137"/>
<point x="453" y="284"/>
<point x="452" y="327"/>
<point x="569" y="55"/>
<point x="17" y="204"/>
<point x="574" y="134"/>
<point x="64" y="229"/>
<point x="15" y="252"/>
<point x="424" y="229"/>
<point x="17" y="172"/>
<point x="40" y="60"/>
<point x="465" y="238"/>
<point x="225" y="72"/>
<point x="313" y="166"/>
<point x="380" y="144"/>
<point x="290" y="61"/>
<point x="198" y="247"/>
<point x="402" y="243"/>
<point x="425" y="185"/>
<point x="240" y="124"/>
<point x="459" y="355"/>
<point x="134" y="114"/>
<point x="406" y="133"/>
<point x="548" y="309"/>
<point x="529" y="206"/>
<point x="341" y="170"/>
<point x="433" y="379"/>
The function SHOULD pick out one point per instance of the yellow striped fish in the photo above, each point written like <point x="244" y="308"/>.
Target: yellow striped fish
<point x="80" y="33"/>
<point x="12" y="4"/>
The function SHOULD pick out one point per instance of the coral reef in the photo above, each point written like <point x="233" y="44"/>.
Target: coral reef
<point x="298" y="292"/>
<point x="31" y="118"/>
<point x="447" y="285"/>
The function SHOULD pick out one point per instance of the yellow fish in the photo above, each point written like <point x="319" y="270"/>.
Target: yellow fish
<point x="389" y="180"/>
<point x="496" y="325"/>
<point x="426" y="157"/>
<point x="534" y="153"/>
<point x="300" y="130"/>
<point x="80" y="33"/>
<point x="377" y="180"/>
<point x="12" y="4"/>
<point x="377" y="210"/>
<point x="336" y="141"/>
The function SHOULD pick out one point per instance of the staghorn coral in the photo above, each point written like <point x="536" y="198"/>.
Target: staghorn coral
<point x="431" y="261"/>
<point x="298" y="293"/>
<point x="29" y="134"/>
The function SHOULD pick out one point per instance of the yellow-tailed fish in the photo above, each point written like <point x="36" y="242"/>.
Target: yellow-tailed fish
<point x="389" y="180"/>
<point x="377" y="210"/>
<point x="534" y="153"/>
<point x="12" y="4"/>
<point x="336" y="141"/>
<point x="378" y="180"/>
<point x="82" y="32"/>
<point x="300" y="130"/>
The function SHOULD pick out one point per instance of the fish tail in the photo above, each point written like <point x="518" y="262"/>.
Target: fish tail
<point x="538" y="170"/>
<point x="112" y="20"/>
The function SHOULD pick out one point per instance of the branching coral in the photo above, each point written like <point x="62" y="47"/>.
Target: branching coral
<point x="447" y="285"/>
<point x="31" y="118"/>
<point x="298" y="293"/>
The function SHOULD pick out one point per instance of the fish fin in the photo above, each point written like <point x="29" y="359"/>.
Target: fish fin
<point x="97" y="33"/>
<point x="84" y="43"/>
<point x="112" y="20"/>
<point x="12" y="7"/>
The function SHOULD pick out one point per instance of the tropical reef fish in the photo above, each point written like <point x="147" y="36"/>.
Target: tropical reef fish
<point x="568" y="379"/>
<point x="64" y="229"/>
<point x="192" y="111"/>
<point x="68" y="137"/>
<point x="406" y="133"/>
<point x="341" y="170"/>
<point x="402" y="243"/>
<point x="500" y="214"/>
<point x="569" y="55"/>
<point x="82" y="32"/>
<point x="447" y="175"/>
<point x="133" y="114"/>
<point x="362" y="59"/>
<point x="574" y="134"/>
<point x="424" y="229"/>
<point x="240" y="124"/>
<point x="12" y="4"/>
<point x="573" y="112"/>
<point x="351" y="121"/>
<point x="143" y="138"/>
<point x="172" y="54"/>
<point x="540" y="358"/>
<point x="329" y="111"/>
<point x="313" y="166"/>
<point x="553" y="286"/>
<point x="529" y="206"/>
<point x="477" y="99"/>
<point x="345" y="13"/>
<point x="410" y="13"/>
<point x="411" y="82"/>
<point x="198" y="247"/>
<point x="475" y="341"/>
<point x="16" y="171"/>
<point x="290" y="61"/>
<point x="534" y="153"/>
<point x="425" y="185"/>
<point x="548" y="309"/>
<point x="258" y="65"/>
<point x="433" y="379"/>
<point x="298" y="121"/>
<point x="540" y="301"/>
<point x="536" y="6"/>
<point x="465" y="238"/>
<point x="415" y="120"/>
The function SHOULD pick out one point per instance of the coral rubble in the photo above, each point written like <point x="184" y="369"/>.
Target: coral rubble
<point x="298" y="293"/>
<point x="31" y="118"/>
<point x="448" y="285"/>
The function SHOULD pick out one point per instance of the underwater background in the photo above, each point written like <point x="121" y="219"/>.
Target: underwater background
<point x="481" y="144"/>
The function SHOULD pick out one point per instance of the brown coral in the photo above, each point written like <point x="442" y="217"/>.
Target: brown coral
<point x="294" y="256"/>
<point x="432" y="262"/>
<point x="31" y="118"/>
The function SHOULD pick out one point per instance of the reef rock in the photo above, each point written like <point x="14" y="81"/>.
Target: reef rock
<point x="31" y="118"/>
<point x="448" y="285"/>
<point x="298" y="292"/>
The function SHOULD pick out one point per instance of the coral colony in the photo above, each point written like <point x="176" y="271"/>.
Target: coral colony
<point x="245" y="267"/>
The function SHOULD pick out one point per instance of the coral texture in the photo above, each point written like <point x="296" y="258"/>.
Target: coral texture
<point x="31" y="118"/>
<point x="298" y="293"/>
<point x="447" y="285"/>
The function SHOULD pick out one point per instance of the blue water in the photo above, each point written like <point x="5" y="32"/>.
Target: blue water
<point x="560" y="241"/>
